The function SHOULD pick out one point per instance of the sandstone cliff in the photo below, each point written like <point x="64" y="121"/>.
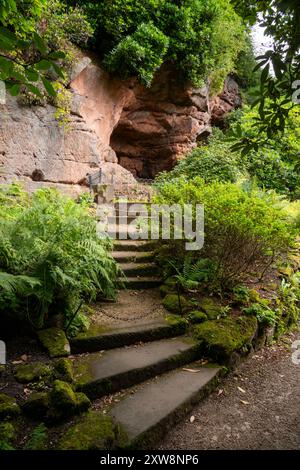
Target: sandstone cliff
<point x="120" y="127"/>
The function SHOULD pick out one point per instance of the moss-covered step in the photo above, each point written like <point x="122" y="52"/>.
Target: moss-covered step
<point x="57" y="405"/>
<point x="54" y="341"/>
<point x="101" y="373"/>
<point x="139" y="269"/>
<point x="35" y="371"/>
<point x="132" y="256"/>
<point x="174" y="304"/>
<point x="141" y="282"/>
<point x="93" y="431"/>
<point x="8" y="406"/>
<point x="227" y="339"/>
<point x="95" y="339"/>
<point x="134" y="245"/>
<point x="148" y="413"/>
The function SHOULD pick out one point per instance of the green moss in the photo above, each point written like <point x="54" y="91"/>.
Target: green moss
<point x="36" y="405"/>
<point x="82" y="370"/>
<point x="82" y="402"/>
<point x="210" y="308"/>
<point x="26" y="373"/>
<point x="92" y="331"/>
<point x="55" y="342"/>
<point x="64" y="370"/>
<point x="63" y="397"/>
<point x="165" y="290"/>
<point x="171" y="282"/>
<point x="197" y="317"/>
<point x="8" y="406"/>
<point x="7" y="435"/>
<point x="171" y="303"/>
<point x="286" y="271"/>
<point x="177" y="320"/>
<point x="221" y="338"/>
<point x="65" y="402"/>
<point x="94" y="431"/>
<point x="7" y="432"/>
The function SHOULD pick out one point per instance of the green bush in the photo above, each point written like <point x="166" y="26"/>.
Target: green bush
<point x="212" y="162"/>
<point x="146" y="46"/>
<point x="50" y="256"/>
<point x="244" y="232"/>
<point x="63" y="24"/>
<point x="264" y="315"/>
<point x="275" y="165"/>
<point x="204" y="38"/>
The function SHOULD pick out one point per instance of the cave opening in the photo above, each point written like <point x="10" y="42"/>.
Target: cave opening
<point x="130" y="155"/>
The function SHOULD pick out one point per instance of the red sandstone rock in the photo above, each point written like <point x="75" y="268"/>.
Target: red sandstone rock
<point x="224" y="103"/>
<point x="115" y="125"/>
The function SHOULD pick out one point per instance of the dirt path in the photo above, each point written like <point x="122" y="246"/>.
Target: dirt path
<point x="132" y="307"/>
<point x="269" y="418"/>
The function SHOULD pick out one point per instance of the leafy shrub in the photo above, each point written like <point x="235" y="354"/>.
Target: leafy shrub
<point x="38" y="438"/>
<point x="193" y="272"/>
<point x="147" y="45"/>
<point x="245" y="65"/>
<point x="50" y="256"/>
<point x="243" y="231"/>
<point x="63" y="24"/>
<point x="212" y="162"/>
<point x="288" y="303"/>
<point x="241" y="294"/>
<point x="204" y="38"/>
<point x="264" y="315"/>
<point x="276" y="164"/>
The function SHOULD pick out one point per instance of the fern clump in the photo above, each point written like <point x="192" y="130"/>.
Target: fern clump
<point x="51" y="259"/>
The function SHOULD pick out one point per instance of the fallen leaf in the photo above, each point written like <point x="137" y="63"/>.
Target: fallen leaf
<point x="220" y="392"/>
<point x="244" y="402"/>
<point x="204" y="362"/>
<point x="192" y="419"/>
<point x="17" y="362"/>
<point x="192" y="370"/>
<point x="241" y="390"/>
<point x="24" y="357"/>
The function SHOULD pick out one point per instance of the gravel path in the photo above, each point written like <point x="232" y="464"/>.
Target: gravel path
<point x="257" y="407"/>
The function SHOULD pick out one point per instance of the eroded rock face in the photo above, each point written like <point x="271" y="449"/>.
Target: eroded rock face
<point x="35" y="149"/>
<point x="225" y="102"/>
<point x="118" y="126"/>
<point x="160" y="123"/>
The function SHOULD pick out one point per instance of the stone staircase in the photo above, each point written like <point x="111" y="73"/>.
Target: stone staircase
<point x="157" y="365"/>
<point x="163" y="374"/>
<point x="135" y="257"/>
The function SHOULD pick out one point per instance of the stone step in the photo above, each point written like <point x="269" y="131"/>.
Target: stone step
<point x="147" y="414"/>
<point x="151" y="411"/>
<point x="132" y="256"/>
<point x="129" y="205"/>
<point x="121" y="219"/>
<point x="139" y="269"/>
<point x="99" y="374"/>
<point x="95" y="339"/>
<point x="134" y="245"/>
<point x="137" y="283"/>
<point x="124" y="231"/>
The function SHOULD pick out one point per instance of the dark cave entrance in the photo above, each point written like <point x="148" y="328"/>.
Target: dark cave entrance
<point x="130" y="156"/>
